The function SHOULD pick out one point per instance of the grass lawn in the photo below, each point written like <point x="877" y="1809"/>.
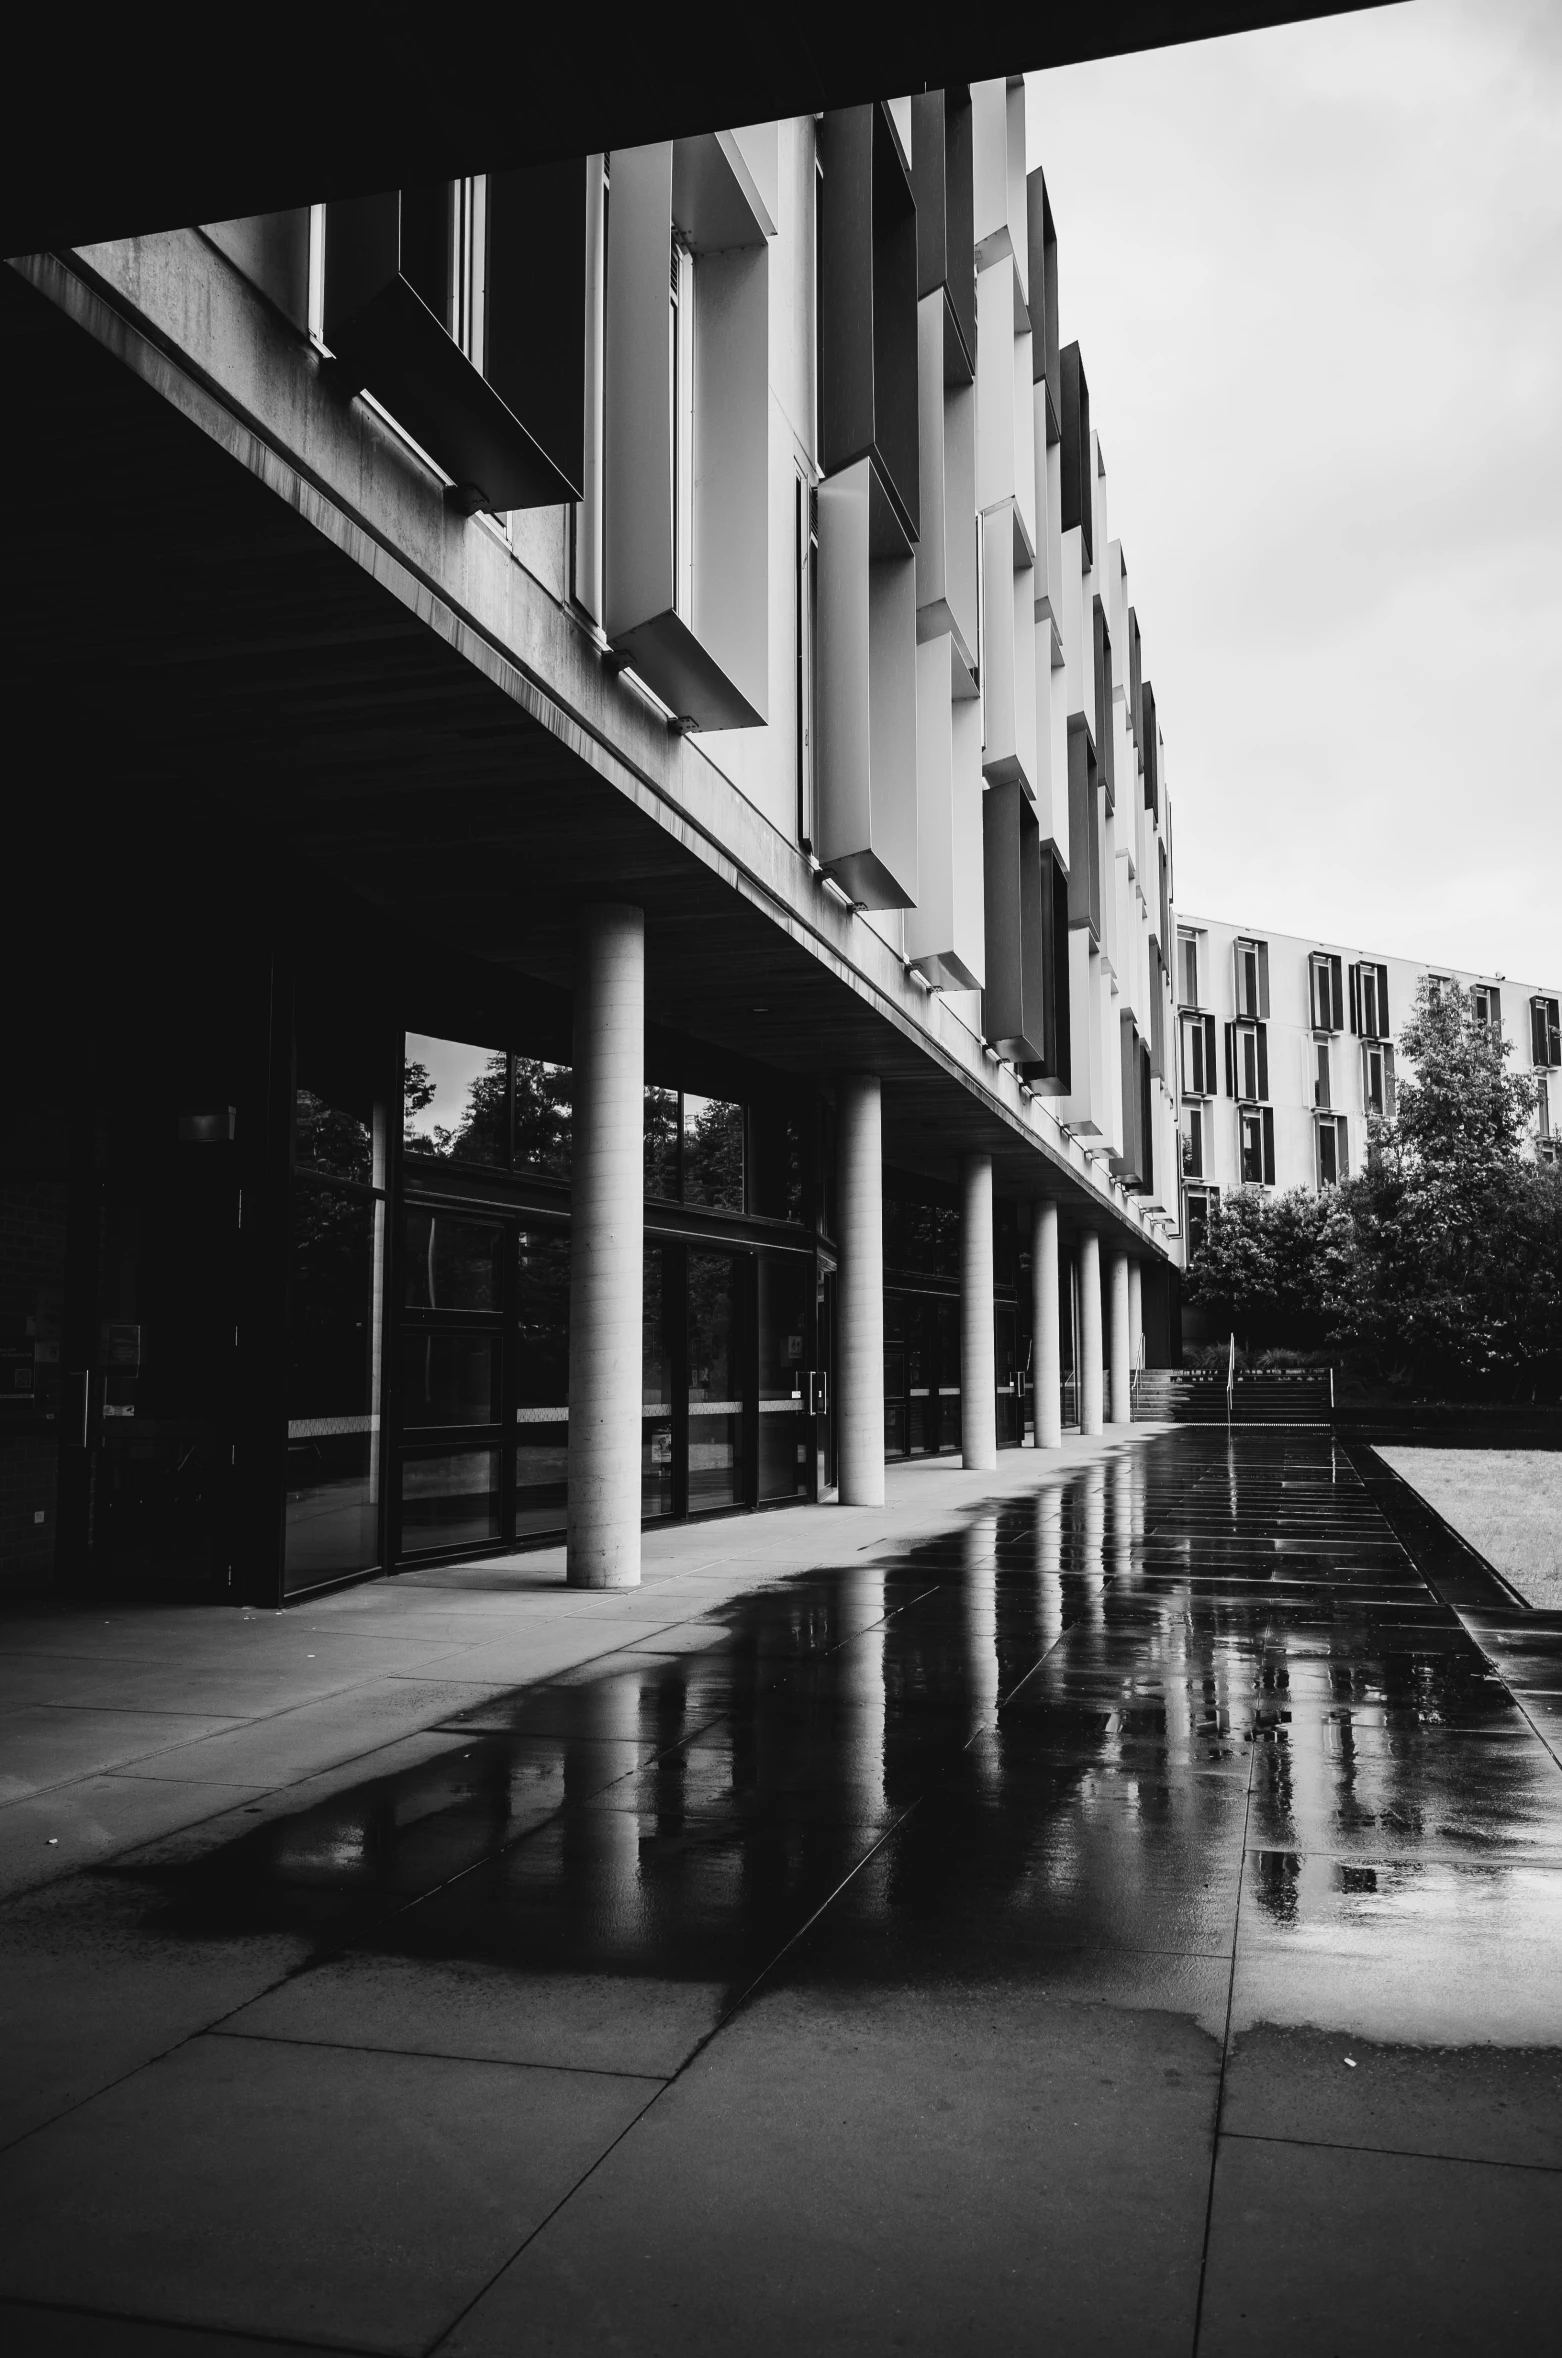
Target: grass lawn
<point x="1505" y="1502"/>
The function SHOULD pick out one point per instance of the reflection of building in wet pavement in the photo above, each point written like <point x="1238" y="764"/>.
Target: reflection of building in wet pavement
<point x="1019" y="1892"/>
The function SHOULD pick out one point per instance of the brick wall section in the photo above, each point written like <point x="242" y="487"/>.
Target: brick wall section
<point x="32" y="1258"/>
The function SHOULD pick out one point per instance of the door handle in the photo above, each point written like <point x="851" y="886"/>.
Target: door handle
<point x="818" y="1392"/>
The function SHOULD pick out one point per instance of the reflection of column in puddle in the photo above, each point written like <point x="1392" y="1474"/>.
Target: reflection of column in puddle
<point x="979" y="1575"/>
<point x="1092" y="1542"/>
<point x="861" y="1720"/>
<point x="1049" y="1566"/>
<point x="601" y="1850"/>
<point x="1124" y="1484"/>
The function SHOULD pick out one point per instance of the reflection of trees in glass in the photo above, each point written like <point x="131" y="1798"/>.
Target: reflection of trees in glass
<point x="661" y="1143"/>
<point x="713" y="1153"/>
<point x="921" y="1237"/>
<point x="543" y="1105"/>
<point x="482" y="1132"/>
<point x="331" y="1140"/>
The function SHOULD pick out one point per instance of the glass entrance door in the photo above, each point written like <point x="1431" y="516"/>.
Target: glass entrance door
<point x="783" y="1288"/>
<point x="715" y="1385"/>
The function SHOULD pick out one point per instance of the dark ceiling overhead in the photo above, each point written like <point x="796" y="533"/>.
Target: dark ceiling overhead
<point x="144" y="120"/>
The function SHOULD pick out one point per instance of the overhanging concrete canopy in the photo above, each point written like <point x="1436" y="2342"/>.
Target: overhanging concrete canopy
<point x="158" y="121"/>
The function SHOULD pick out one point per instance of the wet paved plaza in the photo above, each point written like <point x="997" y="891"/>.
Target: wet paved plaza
<point x="1129" y="1921"/>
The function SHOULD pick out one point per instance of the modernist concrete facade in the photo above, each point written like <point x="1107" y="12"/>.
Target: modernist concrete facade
<point x="1289" y="1045"/>
<point x="611" y="837"/>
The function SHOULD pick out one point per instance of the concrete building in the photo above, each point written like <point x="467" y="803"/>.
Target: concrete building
<point x="1288" y="1046"/>
<point x="599" y="893"/>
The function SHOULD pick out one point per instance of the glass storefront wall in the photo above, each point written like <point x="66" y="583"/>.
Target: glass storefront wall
<point x="922" y="1322"/>
<point x="727" y="1327"/>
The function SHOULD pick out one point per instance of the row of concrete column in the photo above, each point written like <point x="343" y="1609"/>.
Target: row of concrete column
<point x="607" y="1260"/>
<point x="860" y="1311"/>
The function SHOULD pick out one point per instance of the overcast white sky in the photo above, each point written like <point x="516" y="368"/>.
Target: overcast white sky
<point x="1316" y="276"/>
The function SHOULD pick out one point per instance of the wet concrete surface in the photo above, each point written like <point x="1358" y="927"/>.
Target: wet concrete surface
<point x="1131" y="1921"/>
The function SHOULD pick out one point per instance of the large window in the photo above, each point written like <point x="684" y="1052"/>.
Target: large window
<point x="1369" y="1001"/>
<point x="1201" y="1202"/>
<point x="1193" y="1121"/>
<point x="335" y="1305"/>
<point x="1247" y="1062"/>
<point x="1188" y="969"/>
<point x="1251" y="959"/>
<point x="1333" y="1154"/>
<point x="1198" y="1056"/>
<point x="1377" y="1078"/>
<point x="1545" y="1031"/>
<point x="456" y="1102"/>
<point x="694" y="1150"/>
<point x="1256" y="1128"/>
<point x="1326" y="978"/>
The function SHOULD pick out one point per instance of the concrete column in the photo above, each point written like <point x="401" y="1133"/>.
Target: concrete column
<point x="607" y="1241"/>
<point x="1046" y="1356"/>
<point x="1122" y="1356"/>
<point x="1089" y="1370"/>
<point x="859" y="1187"/>
<point x="1136" y="1313"/>
<point x="978" y="1371"/>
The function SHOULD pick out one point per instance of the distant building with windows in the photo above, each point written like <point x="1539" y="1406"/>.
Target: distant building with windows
<point x="1288" y="1045"/>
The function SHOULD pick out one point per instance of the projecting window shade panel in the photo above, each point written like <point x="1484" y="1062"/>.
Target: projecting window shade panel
<point x="687" y="570"/>
<point x="1105" y="733"/>
<point x="1042" y="281"/>
<point x="1263" y="984"/>
<point x="1135" y="684"/>
<point x="1150" y="740"/>
<point x="1128" y="1164"/>
<point x="945" y="933"/>
<point x="1231" y="1060"/>
<point x="1263" y="1060"/>
<point x="866" y="773"/>
<point x="1209" y="1055"/>
<point x="1014" y="1009"/>
<point x="868" y="269"/>
<point x="1084" y="898"/>
<point x="1269" y="1146"/>
<point x="390" y="338"/>
<point x="1078" y="489"/>
<point x="941" y="181"/>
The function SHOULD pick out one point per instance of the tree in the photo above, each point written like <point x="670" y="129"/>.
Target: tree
<point x="1266" y="1263"/>
<point x="1454" y="1282"/>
